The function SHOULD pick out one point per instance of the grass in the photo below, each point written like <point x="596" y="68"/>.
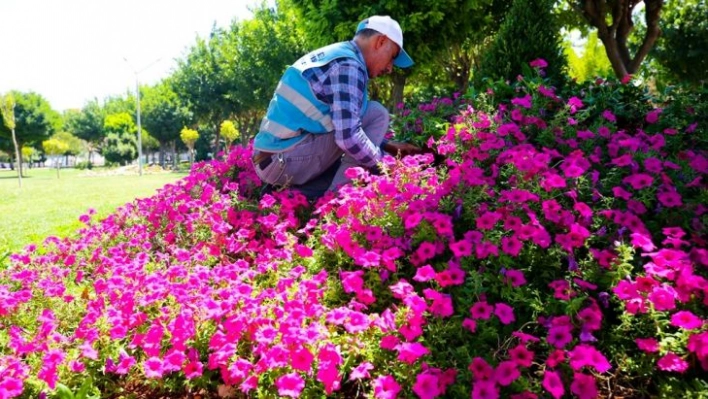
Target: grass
<point x="50" y="206"/>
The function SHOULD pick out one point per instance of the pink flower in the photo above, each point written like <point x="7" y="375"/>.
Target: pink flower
<point x="515" y="277"/>
<point x="11" y="387"/>
<point x="586" y="355"/>
<point x="575" y="104"/>
<point x="648" y="345"/>
<point x="409" y="352"/>
<point x="290" y="384"/>
<point x="553" y="384"/>
<point x="538" y="63"/>
<point x="426" y="386"/>
<point x="521" y="355"/>
<point x="484" y="389"/>
<point x="504" y="312"/>
<point x="481" y="310"/>
<point x="672" y="362"/>
<point x="559" y="336"/>
<point x="193" y="369"/>
<point x="506" y="373"/>
<point x="301" y="359"/>
<point x="584" y="386"/>
<point x="524" y="101"/>
<point x="686" y="320"/>
<point x="481" y="370"/>
<point x="653" y="115"/>
<point x="386" y="387"/>
<point x="361" y="371"/>
<point x="153" y="367"/>
<point x="424" y="273"/>
<point x="469" y="324"/>
<point x="607" y="114"/>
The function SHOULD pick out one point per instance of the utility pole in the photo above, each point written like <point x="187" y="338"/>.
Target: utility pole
<point x="137" y="97"/>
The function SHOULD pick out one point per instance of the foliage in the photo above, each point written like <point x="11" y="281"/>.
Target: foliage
<point x="121" y="143"/>
<point x="683" y="46"/>
<point x="164" y="113"/>
<point x="86" y="124"/>
<point x="189" y="136"/>
<point x="592" y="62"/>
<point x="229" y="132"/>
<point x="511" y="49"/>
<point x="35" y="120"/>
<point x="74" y="145"/>
<point x="430" y="29"/>
<point x="55" y="146"/>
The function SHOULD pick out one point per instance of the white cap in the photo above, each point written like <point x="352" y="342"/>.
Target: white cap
<point x="389" y="27"/>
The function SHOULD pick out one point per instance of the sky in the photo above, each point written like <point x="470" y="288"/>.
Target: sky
<point x="72" y="51"/>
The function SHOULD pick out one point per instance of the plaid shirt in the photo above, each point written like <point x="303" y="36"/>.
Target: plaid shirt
<point x="341" y="84"/>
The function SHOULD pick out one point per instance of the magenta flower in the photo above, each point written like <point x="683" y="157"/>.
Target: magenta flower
<point x="584" y="386"/>
<point x="553" y="384"/>
<point x="481" y="310"/>
<point x="521" y="355"/>
<point x="152" y="367"/>
<point x="409" y="352"/>
<point x="361" y="371"/>
<point x="648" y="345"/>
<point x="672" y="362"/>
<point x="290" y="385"/>
<point x="559" y="336"/>
<point x="515" y="277"/>
<point x="301" y="359"/>
<point x="686" y="320"/>
<point x="586" y="355"/>
<point x="538" y="63"/>
<point x="504" y="312"/>
<point x="386" y="387"/>
<point x="506" y="373"/>
<point x="484" y="389"/>
<point x="424" y="273"/>
<point x="481" y="370"/>
<point x="426" y="386"/>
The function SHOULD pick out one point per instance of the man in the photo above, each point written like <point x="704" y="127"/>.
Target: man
<point x="320" y="123"/>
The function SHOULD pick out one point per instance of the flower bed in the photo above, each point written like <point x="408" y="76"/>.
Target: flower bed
<point x="558" y="249"/>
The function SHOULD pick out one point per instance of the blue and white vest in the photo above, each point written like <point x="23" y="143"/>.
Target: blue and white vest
<point x="294" y="110"/>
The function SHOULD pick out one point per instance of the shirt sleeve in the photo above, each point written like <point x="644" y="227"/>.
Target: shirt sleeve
<point x="348" y="83"/>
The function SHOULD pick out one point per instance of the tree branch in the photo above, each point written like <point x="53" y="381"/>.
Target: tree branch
<point x="622" y="20"/>
<point x="652" y="15"/>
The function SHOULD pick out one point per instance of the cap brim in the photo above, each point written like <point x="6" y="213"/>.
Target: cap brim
<point x="403" y="60"/>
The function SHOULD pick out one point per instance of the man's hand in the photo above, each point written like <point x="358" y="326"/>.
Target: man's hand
<point x="397" y="148"/>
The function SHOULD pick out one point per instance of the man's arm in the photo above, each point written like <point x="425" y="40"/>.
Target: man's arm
<point x="347" y="84"/>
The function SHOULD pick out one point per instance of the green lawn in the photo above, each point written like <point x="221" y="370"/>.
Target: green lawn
<point x="48" y="206"/>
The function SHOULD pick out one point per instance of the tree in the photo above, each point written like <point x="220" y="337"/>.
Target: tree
<point x="682" y="48"/>
<point x="7" y="108"/>
<point x="55" y="146"/>
<point x="35" y="120"/>
<point x="189" y="137"/>
<point x="529" y="31"/>
<point x="430" y="28"/>
<point x="229" y="132"/>
<point x="87" y="124"/>
<point x="164" y="115"/>
<point x="614" y="24"/>
<point x="121" y="144"/>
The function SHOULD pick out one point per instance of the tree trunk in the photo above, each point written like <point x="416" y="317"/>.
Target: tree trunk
<point x="18" y="158"/>
<point x="614" y="36"/>
<point x="399" y="83"/>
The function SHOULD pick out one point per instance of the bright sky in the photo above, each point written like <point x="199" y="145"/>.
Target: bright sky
<point x="71" y="51"/>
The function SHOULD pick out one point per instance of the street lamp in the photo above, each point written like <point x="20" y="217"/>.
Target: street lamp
<point x="137" y="97"/>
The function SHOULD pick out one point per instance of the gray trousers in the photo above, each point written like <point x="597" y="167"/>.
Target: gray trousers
<point x="310" y="165"/>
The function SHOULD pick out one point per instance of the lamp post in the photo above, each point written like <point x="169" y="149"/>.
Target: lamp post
<point x="137" y="97"/>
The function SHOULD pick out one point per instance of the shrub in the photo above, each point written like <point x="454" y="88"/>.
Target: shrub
<point x="529" y="31"/>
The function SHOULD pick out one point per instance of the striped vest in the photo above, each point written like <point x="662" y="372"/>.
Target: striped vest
<point x="294" y="110"/>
